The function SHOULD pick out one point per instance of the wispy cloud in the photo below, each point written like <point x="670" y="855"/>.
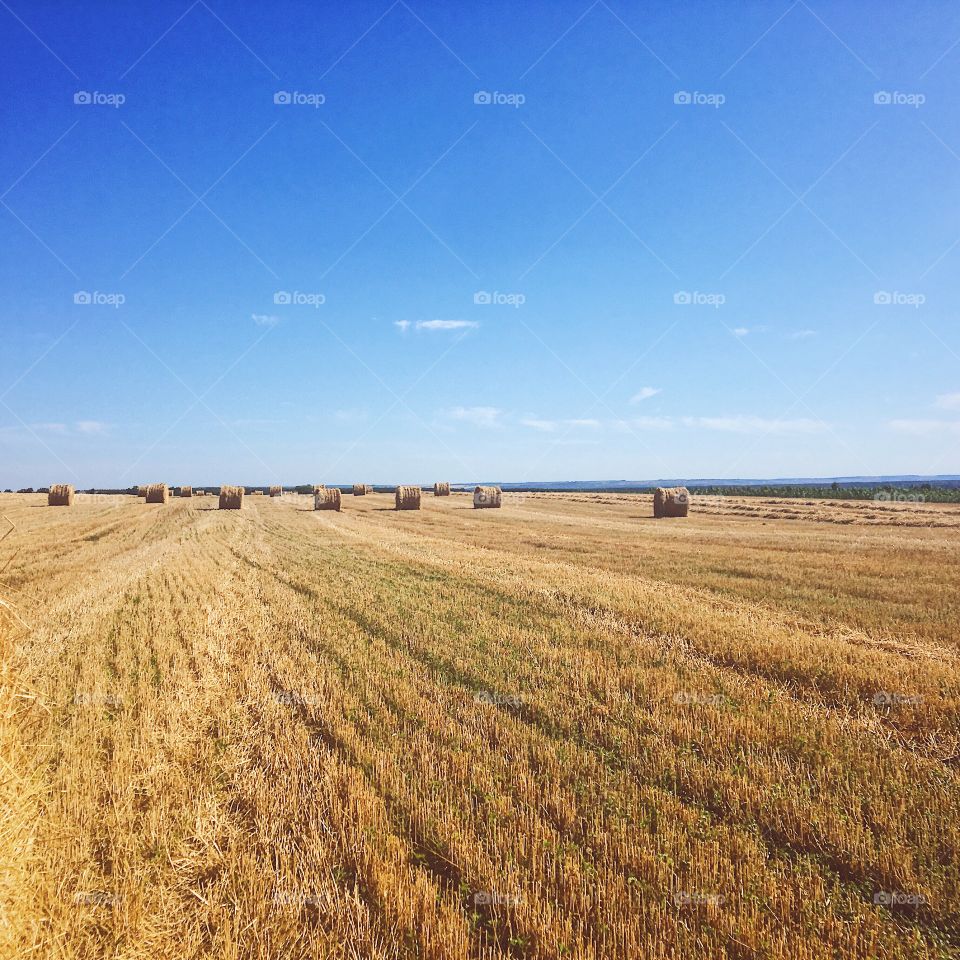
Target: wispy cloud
<point x="948" y="401"/>
<point x="753" y="424"/>
<point x="445" y="324"/>
<point x="740" y="331"/>
<point x="264" y="319"/>
<point x="486" y="417"/>
<point x="77" y="428"/>
<point x="742" y="423"/>
<point x="927" y="428"/>
<point x="91" y="426"/>
<point x="802" y="334"/>
<point x="402" y="325"/>
<point x="734" y="424"/>
<point x="535" y="423"/>
<point x="644" y="393"/>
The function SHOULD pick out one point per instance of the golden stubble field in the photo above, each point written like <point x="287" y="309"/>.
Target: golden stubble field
<point x="558" y="729"/>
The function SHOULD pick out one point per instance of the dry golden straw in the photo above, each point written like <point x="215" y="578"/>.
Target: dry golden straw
<point x="487" y="497"/>
<point x="60" y="495"/>
<point x="441" y="489"/>
<point x="408" y="498"/>
<point x="362" y="489"/>
<point x="186" y="491"/>
<point x="327" y="499"/>
<point x="158" y="493"/>
<point x="231" y="498"/>
<point x="276" y="491"/>
<point x="671" y="502"/>
<point x="550" y="734"/>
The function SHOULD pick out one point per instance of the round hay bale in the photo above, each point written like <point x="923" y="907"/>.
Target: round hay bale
<point x="158" y="493"/>
<point x="441" y="489"/>
<point x="142" y="490"/>
<point x="60" y="495"/>
<point x="362" y="489"/>
<point x="276" y="491"/>
<point x="231" y="498"/>
<point x="407" y="498"/>
<point x="671" y="502"/>
<point x="486" y="497"/>
<point x="327" y="499"/>
<point x="185" y="492"/>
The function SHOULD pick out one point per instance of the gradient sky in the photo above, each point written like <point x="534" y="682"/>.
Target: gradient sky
<point x="760" y="282"/>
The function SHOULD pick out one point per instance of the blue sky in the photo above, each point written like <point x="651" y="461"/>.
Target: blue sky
<point x="670" y="240"/>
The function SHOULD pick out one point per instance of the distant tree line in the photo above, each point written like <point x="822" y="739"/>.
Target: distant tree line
<point x="914" y="492"/>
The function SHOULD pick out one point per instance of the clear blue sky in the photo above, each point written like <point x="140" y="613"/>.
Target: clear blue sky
<point x="782" y="201"/>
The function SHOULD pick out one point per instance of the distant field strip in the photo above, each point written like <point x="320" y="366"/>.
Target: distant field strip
<point x="558" y="729"/>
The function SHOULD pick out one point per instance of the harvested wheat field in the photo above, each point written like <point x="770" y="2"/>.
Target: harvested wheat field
<point x="558" y="729"/>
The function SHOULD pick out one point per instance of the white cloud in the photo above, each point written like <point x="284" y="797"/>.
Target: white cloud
<point x="926" y="428"/>
<point x="445" y="324"/>
<point x="802" y="334"/>
<point x="402" y="325"/>
<point x="949" y="401"/>
<point x="48" y="427"/>
<point x="486" y="417"/>
<point x="733" y="424"/>
<point x="741" y="331"/>
<point x="644" y="393"/>
<point x="753" y="424"/>
<point x="264" y="319"/>
<point x="91" y="426"/>
<point x="536" y="424"/>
